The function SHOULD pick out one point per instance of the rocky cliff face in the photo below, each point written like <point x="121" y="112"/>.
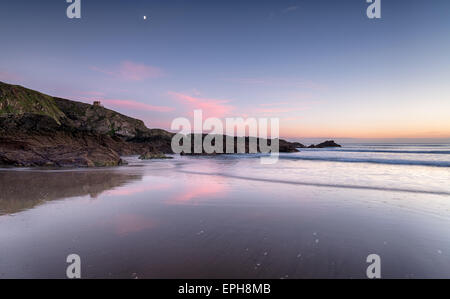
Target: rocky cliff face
<point x="38" y="140"/>
<point x="99" y="120"/>
<point x="40" y="130"/>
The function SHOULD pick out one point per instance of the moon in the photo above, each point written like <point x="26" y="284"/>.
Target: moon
<point x="145" y="17"/>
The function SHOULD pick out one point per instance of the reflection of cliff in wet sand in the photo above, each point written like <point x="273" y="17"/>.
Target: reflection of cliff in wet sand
<point x="23" y="190"/>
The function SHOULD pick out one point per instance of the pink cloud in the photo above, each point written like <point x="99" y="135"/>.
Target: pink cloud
<point x="210" y="107"/>
<point x="131" y="71"/>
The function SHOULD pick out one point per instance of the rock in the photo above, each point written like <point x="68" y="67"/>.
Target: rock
<point x="297" y="145"/>
<point x="153" y="155"/>
<point x="56" y="147"/>
<point x="284" y="146"/>
<point x="328" y="143"/>
<point x="289" y="147"/>
<point x="99" y="120"/>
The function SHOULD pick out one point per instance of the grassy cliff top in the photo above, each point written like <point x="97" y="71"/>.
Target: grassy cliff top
<point x="15" y="99"/>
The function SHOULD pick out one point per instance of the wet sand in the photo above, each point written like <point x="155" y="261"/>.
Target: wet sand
<point x="222" y="218"/>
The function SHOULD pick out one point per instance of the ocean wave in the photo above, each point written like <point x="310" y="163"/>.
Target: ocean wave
<point x="369" y="160"/>
<point x="382" y="151"/>
<point x="396" y="145"/>
<point x="341" y="186"/>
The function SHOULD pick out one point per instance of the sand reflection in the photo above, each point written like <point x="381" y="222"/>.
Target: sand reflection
<point x="23" y="190"/>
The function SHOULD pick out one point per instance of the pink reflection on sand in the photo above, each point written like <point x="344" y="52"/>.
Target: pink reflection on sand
<point x="134" y="189"/>
<point x="132" y="223"/>
<point x="200" y="189"/>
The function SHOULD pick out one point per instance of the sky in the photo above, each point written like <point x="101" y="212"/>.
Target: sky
<point x="321" y="66"/>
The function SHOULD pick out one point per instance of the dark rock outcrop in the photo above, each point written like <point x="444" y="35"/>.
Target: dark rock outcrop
<point x="99" y="120"/>
<point x="284" y="146"/>
<point x="37" y="140"/>
<point x="153" y="155"/>
<point x="297" y="145"/>
<point x="328" y="143"/>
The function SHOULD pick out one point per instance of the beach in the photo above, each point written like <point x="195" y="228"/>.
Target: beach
<point x="314" y="214"/>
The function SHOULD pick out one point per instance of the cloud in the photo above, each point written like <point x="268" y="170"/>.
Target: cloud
<point x="289" y="9"/>
<point x="131" y="71"/>
<point x="210" y="107"/>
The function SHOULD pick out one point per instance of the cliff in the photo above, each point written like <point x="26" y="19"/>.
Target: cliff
<point x="40" y="130"/>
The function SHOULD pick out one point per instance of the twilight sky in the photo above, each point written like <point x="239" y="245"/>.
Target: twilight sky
<point x="321" y="66"/>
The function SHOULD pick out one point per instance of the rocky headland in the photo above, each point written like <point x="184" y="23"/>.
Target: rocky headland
<point x="328" y="143"/>
<point x="41" y="130"/>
